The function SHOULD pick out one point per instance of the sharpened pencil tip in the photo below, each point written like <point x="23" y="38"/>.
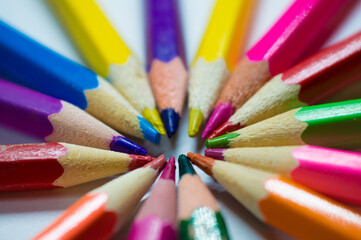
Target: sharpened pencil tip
<point x="157" y="164"/>
<point x="171" y="119"/>
<point x="215" y="153"/>
<point x="153" y="117"/>
<point x="185" y="167"/>
<point x="169" y="170"/>
<point x="222" y="141"/>
<point x="195" y="122"/>
<point x="221" y="113"/>
<point x="122" y="144"/>
<point x="149" y="131"/>
<point x="225" y="128"/>
<point x="204" y="163"/>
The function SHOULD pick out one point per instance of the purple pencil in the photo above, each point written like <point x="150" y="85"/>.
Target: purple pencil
<point x="165" y="56"/>
<point x="156" y="219"/>
<point x="55" y="120"/>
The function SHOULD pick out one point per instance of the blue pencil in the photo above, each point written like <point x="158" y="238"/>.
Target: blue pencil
<point x="27" y="62"/>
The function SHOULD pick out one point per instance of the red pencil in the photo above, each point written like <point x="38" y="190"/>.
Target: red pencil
<point x="101" y="213"/>
<point x="300" y="32"/>
<point x="59" y="165"/>
<point x="307" y="83"/>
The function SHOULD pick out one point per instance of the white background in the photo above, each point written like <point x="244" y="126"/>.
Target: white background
<point x="23" y="214"/>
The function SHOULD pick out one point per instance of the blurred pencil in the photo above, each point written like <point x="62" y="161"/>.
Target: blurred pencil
<point x="157" y="217"/>
<point x="284" y="204"/>
<point x="307" y="83"/>
<point x="54" y="120"/>
<point x="60" y="165"/>
<point x="330" y="125"/>
<point x="216" y="57"/>
<point x="332" y="172"/>
<point x="299" y="32"/>
<point x="198" y="212"/>
<point x="100" y="213"/>
<point x="108" y="54"/>
<point x="166" y="62"/>
<point x="24" y="61"/>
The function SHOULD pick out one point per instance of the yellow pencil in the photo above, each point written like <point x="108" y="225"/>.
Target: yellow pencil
<point x="107" y="54"/>
<point x="216" y="57"/>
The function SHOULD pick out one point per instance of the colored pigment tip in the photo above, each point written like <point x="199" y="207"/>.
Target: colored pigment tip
<point x="157" y="164"/>
<point x="220" y="115"/>
<point x="195" y="122"/>
<point x="222" y="141"/>
<point x="226" y="127"/>
<point x="149" y="131"/>
<point x="204" y="163"/>
<point x="169" y="170"/>
<point x="185" y="167"/>
<point x="153" y="117"/>
<point x="215" y="153"/>
<point x="122" y="144"/>
<point x="171" y="120"/>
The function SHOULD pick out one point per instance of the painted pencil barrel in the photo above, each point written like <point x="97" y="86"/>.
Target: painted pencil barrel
<point x="59" y="165"/>
<point x="329" y="125"/>
<point x="54" y="120"/>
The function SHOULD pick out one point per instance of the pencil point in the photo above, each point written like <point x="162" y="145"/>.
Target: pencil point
<point x="149" y="131"/>
<point x="169" y="170"/>
<point x="139" y="161"/>
<point x="185" y="167"/>
<point x="122" y="144"/>
<point x="215" y="153"/>
<point x="171" y="119"/>
<point x="221" y="114"/>
<point x="221" y="141"/>
<point x="226" y="127"/>
<point x="204" y="163"/>
<point x="195" y="122"/>
<point x="157" y="164"/>
<point x="152" y="116"/>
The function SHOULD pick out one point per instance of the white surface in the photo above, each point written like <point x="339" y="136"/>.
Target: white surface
<point x="23" y="214"/>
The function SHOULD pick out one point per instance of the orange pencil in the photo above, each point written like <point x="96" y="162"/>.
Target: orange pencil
<point x="282" y="203"/>
<point x="100" y="213"/>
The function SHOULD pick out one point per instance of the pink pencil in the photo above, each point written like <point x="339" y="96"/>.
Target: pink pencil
<point x="329" y="171"/>
<point x="299" y="33"/>
<point x="156" y="219"/>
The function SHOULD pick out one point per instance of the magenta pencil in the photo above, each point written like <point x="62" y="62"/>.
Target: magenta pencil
<point x="329" y="171"/>
<point x="156" y="219"/>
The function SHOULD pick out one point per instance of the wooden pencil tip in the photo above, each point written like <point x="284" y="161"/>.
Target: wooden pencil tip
<point x="221" y="114"/>
<point x="226" y="127"/>
<point x="153" y="117"/>
<point x="139" y="161"/>
<point x="157" y="164"/>
<point x="204" y="163"/>
<point x="195" y="122"/>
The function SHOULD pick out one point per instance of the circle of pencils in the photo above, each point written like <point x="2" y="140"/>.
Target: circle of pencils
<point x="268" y="146"/>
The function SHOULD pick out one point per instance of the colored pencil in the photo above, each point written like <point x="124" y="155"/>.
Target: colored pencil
<point x="329" y="125"/>
<point x="284" y="204"/>
<point x="198" y="211"/>
<point x="166" y="61"/>
<point x="300" y="32"/>
<point x="307" y="83"/>
<point x="216" y="57"/>
<point x="60" y="165"/>
<point x="107" y="54"/>
<point x="332" y="172"/>
<point x="24" y="61"/>
<point x="100" y="213"/>
<point x="55" y="120"/>
<point x="156" y="220"/>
